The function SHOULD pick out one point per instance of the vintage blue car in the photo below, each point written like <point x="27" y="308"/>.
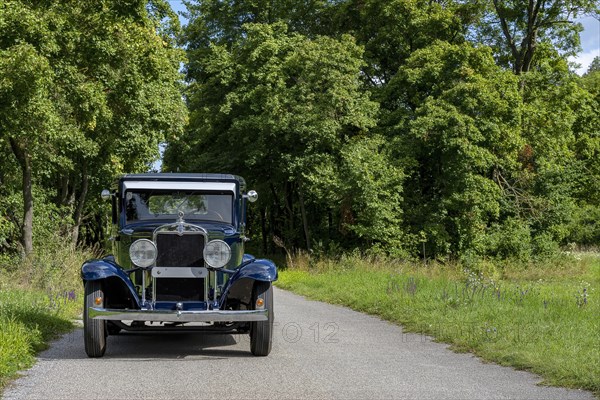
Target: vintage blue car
<point x="179" y="262"/>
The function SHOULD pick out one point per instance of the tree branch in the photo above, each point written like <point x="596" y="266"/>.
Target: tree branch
<point x="507" y="35"/>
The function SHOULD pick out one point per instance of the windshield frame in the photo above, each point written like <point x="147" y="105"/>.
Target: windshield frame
<point x="227" y="212"/>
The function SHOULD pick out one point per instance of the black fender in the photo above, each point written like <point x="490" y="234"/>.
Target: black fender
<point x="241" y="282"/>
<point x="118" y="286"/>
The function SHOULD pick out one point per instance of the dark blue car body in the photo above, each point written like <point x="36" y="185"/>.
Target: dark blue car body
<point x="174" y="292"/>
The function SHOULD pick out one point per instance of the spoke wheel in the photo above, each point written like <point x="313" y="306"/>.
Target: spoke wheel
<point x="94" y="330"/>
<point x="261" y="332"/>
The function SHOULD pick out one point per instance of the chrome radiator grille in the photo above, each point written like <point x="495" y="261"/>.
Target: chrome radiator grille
<point x="180" y="251"/>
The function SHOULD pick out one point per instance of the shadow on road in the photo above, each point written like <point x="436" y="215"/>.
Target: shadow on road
<point x="155" y="345"/>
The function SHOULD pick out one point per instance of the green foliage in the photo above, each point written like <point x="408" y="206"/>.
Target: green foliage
<point x="560" y="161"/>
<point x="462" y="115"/>
<point x="214" y="22"/>
<point x="462" y="159"/>
<point x="29" y="319"/>
<point x="87" y="91"/>
<point x="523" y="34"/>
<point x="289" y="108"/>
<point x="510" y="239"/>
<point x="584" y="227"/>
<point x="594" y="66"/>
<point x="372" y="187"/>
<point x="392" y="30"/>
<point x="385" y="127"/>
<point x="39" y="298"/>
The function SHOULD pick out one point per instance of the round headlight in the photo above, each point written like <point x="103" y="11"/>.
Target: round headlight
<point x="217" y="253"/>
<point x="142" y="253"/>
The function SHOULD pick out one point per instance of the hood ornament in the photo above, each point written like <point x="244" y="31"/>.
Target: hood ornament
<point x="180" y="223"/>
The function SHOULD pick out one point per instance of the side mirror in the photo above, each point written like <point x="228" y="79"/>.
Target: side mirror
<point x="107" y="195"/>
<point x="252" y="196"/>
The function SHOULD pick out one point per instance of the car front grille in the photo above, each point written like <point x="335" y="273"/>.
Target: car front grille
<point x="180" y="251"/>
<point x="180" y="289"/>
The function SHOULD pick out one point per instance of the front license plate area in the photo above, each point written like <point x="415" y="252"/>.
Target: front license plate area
<point x="179" y="272"/>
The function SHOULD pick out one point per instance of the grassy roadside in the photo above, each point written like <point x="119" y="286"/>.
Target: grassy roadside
<point x="545" y="320"/>
<point x="29" y="320"/>
<point x="39" y="298"/>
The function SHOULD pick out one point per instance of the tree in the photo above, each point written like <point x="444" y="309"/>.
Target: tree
<point x="29" y="121"/>
<point x="460" y="130"/>
<point x="519" y="29"/>
<point x="89" y="90"/>
<point x="125" y="104"/>
<point x="392" y="30"/>
<point x="594" y="66"/>
<point x="279" y="106"/>
<point x="561" y="172"/>
<point x="371" y="186"/>
<point x="221" y="22"/>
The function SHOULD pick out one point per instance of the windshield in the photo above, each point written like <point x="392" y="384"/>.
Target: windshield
<point x="147" y="205"/>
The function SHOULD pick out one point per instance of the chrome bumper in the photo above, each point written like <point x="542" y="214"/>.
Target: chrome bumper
<point x="178" y="316"/>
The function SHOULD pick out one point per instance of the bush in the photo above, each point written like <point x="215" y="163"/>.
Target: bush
<point x="544" y="246"/>
<point x="54" y="267"/>
<point x="509" y="240"/>
<point x="585" y="226"/>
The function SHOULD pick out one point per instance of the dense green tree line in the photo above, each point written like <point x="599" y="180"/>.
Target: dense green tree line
<point x="430" y="128"/>
<point x="88" y="90"/>
<point x="410" y="127"/>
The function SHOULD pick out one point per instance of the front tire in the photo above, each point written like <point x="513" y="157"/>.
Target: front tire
<point x="261" y="332"/>
<point x="94" y="330"/>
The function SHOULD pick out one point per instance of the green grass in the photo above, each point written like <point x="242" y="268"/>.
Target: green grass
<point x="28" y="320"/>
<point x="536" y="318"/>
<point x="39" y="298"/>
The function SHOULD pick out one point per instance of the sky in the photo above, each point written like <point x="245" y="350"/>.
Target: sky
<point x="590" y="38"/>
<point x="590" y="42"/>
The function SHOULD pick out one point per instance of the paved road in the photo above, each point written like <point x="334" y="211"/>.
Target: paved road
<point x="320" y="351"/>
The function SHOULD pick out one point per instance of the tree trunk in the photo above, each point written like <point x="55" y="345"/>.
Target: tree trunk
<point x="64" y="190"/>
<point x="329" y="225"/>
<point x="290" y="234"/>
<point x="24" y="159"/>
<point x="99" y="232"/>
<point x="78" y="217"/>
<point x="274" y="213"/>
<point x="263" y="227"/>
<point x="272" y="229"/>
<point x="523" y="52"/>
<point x="304" y="219"/>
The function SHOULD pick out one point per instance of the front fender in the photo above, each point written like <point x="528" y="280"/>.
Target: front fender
<point x="105" y="269"/>
<point x="256" y="269"/>
<point x="240" y="284"/>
